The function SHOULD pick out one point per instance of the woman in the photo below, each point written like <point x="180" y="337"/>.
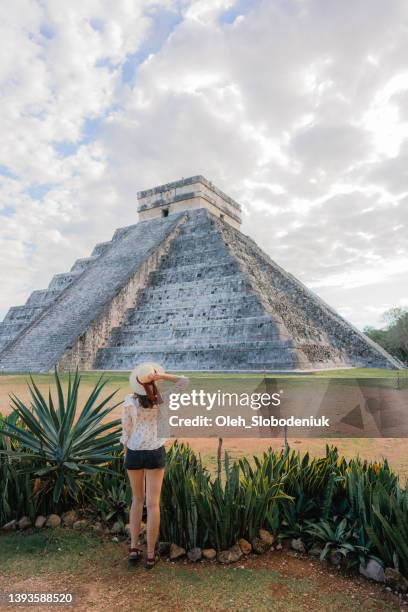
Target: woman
<point x="145" y="454"/>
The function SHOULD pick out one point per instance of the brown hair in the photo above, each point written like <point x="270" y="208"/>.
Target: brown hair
<point x="144" y="401"/>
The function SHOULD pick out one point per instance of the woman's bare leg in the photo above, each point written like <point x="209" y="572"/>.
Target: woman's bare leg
<point x="136" y="478"/>
<point x="154" y="479"/>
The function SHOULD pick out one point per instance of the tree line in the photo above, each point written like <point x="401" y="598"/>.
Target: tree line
<point x="394" y="335"/>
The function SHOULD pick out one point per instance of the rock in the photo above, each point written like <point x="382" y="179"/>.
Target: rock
<point x="266" y="536"/>
<point x="69" y="518"/>
<point x="176" y="551"/>
<point x="372" y="570"/>
<point x="24" y="522"/>
<point x="395" y="580"/>
<point x="209" y="553"/>
<point x="163" y="548"/>
<point x="127" y="529"/>
<point x="297" y="544"/>
<point x="10" y="526"/>
<point x="117" y="527"/>
<point x="286" y="543"/>
<point x="231" y="555"/>
<point x="194" y="554"/>
<point x="259" y="546"/>
<point x="53" y="521"/>
<point x="279" y="546"/>
<point x="315" y="550"/>
<point x="224" y="556"/>
<point x="80" y="524"/>
<point x="335" y="558"/>
<point x="115" y="539"/>
<point x="97" y="527"/>
<point x="40" y="521"/>
<point x="245" y="546"/>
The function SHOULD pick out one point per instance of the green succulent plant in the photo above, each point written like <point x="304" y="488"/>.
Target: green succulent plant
<point x="61" y="444"/>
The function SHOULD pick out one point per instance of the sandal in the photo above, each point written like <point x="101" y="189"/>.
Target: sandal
<point x="150" y="562"/>
<point x="135" y="554"/>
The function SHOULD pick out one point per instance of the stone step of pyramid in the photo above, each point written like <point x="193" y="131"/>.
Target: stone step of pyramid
<point x="179" y="291"/>
<point x="247" y="306"/>
<point x="243" y="328"/>
<point x="210" y="359"/>
<point x="101" y="248"/>
<point x="60" y="281"/>
<point x="190" y="257"/>
<point x="42" y="298"/>
<point x="81" y="264"/>
<point x="249" y="324"/>
<point x="161" y="301"/>
<point x="191" y="272"/>
<point x="199" y="342"/>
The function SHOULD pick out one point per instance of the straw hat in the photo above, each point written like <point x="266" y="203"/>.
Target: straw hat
<point x="141" y="371"/>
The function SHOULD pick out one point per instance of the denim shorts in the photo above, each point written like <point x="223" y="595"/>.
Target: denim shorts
<point x="145" y="459"/>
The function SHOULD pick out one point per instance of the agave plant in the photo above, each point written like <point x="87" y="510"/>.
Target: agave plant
<point x="110" y="494"/>
<point x="387" y="525"/>
<point x="338" y="536"/>
<point x="185" y="481"/>
<point x="62" y="452"/>
<point x="200" y="511"/>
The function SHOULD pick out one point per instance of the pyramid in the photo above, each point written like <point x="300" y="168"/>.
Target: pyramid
<point x="185" y="287"/>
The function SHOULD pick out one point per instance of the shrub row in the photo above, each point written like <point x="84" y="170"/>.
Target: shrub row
<point x="51" y="462"/>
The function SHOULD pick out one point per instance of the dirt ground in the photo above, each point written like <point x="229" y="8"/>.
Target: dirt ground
<point x="100" y="579"/>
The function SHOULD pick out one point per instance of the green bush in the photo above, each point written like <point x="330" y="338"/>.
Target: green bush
<point x="197" y="510"/>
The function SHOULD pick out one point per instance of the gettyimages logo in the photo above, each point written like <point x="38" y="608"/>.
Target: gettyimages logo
<point x="199" y="398"/>
<point x="301" y="406"/>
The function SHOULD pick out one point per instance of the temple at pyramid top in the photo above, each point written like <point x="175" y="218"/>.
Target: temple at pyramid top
<point x="186" y="194"/>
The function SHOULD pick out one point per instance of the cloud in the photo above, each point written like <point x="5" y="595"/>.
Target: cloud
<point x="297" y="109"/>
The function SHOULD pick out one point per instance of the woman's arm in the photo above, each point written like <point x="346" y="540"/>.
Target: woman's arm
<point x="181" y="382"/>
<point x="171" y="377"/>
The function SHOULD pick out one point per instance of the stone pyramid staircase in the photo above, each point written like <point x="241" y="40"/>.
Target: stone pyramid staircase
<point x="190" y="291"/>
<point x="205" y="309"/>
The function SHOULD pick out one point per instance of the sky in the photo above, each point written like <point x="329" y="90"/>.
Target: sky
<point x="298" y="109"/>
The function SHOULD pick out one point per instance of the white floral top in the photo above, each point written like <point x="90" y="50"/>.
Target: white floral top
<point x="139" y="425"/>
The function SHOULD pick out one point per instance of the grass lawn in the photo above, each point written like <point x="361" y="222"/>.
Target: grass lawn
<point x="95" y="570"/>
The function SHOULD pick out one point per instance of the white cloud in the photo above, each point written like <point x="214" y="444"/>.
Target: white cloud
<point x="297" y="109"/>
